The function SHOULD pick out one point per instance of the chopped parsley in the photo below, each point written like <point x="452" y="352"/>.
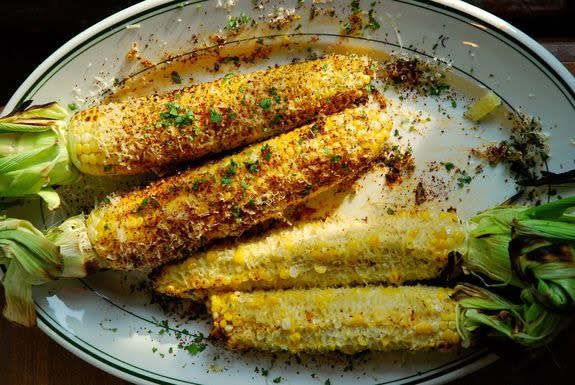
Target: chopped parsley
<point x="277" y="119"/>
<point x="266" y="152"/>
<point x="143" y="205"/>
<point x="390" y="211"/>
<point x="265" y="104"/>
<point x="236" y="212"/>
<point x="277" y="380"/>
<point x="235" y="23"/>
<point x="311" y="55"/>
<point x="307" y="190"/>
<point x="274" y="93"/>
<point x="463" y="180"/>
<point x="448" y="166"/>
<point x="372" y="24"/>
<point x="347" y="27"/>
<point x="253" y="167"/>
<point x="228" y="76"/>
<point x="72" y="106"/>
<point x="232" y="167"/>
<point x="176" y="77"/>
<point x="437" y="89"/>
<point x="197" y="183"/>
<point x="197" y="345"/>
<point x="215" y="117"/>
<point x="229" y="173"/>
<point x="175" y="116"/>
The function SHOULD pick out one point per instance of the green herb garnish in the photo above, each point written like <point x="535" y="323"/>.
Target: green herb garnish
<point x="265" y="104"/>
<point x="176" y="77"/>
<point x="235" y="23"/>
<point x="175" y="116"/>
<point x="215" y="117"/>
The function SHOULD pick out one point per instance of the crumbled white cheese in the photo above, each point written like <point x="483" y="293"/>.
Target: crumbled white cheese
<point x="281" y="16"/>
<point x="226" y="4"/>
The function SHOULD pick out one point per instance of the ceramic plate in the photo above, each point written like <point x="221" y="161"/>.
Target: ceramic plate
<point x="107" y="321"/>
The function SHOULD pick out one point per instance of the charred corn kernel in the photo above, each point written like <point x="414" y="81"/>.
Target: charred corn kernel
<point x="345" y="319"/>
<point x="179" y="214"/>
<point x="140" y="134"/>
<point x="334" y="252"/>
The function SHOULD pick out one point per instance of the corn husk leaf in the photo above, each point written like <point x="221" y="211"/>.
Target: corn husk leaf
<point x="34" y="154"/>
<point x="480" y="311"/>
<point x="491" y="232"/>
<point x="19" y="307"/>
<point x="31" y="260"/>
<point x="71" y="237"/>
<point x="532" y="248"/>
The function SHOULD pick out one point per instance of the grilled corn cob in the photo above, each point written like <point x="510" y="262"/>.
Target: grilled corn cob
<point x="407" y="246"/>
<point x="139" y="134"/>
<point x="345" y="319"/>
<point x="173" y="217"/>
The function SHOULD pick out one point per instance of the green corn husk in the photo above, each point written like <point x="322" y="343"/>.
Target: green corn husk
<point x="33" y="258"/>
<point x="547" y="269"/>
<point x="527" y="323"/>
<point x="34" y="154"/>
<point x="532" y="248"/>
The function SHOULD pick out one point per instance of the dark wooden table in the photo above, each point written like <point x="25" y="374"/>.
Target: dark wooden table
<point x="33" y="30"/>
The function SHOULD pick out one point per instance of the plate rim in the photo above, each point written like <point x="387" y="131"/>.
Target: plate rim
<point x="147" y="7"/>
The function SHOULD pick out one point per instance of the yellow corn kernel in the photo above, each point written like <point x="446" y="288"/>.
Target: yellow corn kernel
<point x="382" y="319"/>
<point x="424" y="328"/>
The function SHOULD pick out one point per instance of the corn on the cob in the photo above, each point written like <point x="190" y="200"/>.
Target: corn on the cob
<point x="345" y="319"/>
<point x="407" y="246"/>
<point x="173" y="217"/>
<point x="139" y="134"/>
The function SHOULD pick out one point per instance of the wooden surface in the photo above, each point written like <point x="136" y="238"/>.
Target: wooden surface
<point x="28" y="357"/>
